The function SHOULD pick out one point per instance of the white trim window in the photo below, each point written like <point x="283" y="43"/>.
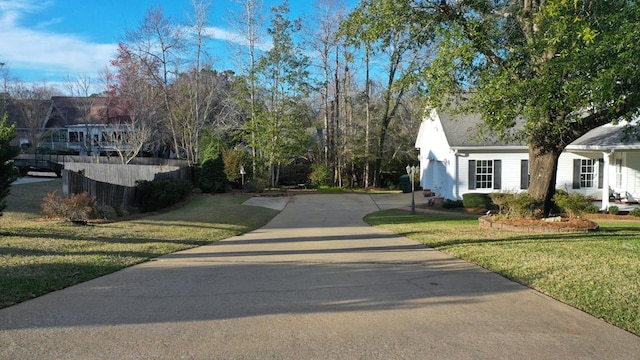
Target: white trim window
<point x="485" y="174"/>
<point x="587" y="173"/>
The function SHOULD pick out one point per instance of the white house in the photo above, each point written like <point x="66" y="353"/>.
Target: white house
<point x="454" y="161"/>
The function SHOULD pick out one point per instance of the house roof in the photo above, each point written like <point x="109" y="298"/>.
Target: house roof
<point x="61" y="111"/>
<point x="462" y="131"/>
<point x="622" y="136"/>
<point x="67" y="111"/>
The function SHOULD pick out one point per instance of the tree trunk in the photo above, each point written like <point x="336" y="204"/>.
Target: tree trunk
<point x="543" y="167"/>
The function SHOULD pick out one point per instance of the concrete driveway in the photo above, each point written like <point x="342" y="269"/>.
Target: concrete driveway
<point x="315" y="283"/>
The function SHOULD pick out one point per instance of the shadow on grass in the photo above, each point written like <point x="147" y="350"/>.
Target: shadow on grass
<point x="434" y="228"/>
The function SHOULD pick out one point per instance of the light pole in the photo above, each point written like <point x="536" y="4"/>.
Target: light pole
<point x="411" y="171"/>
<point x="242" y="173"/>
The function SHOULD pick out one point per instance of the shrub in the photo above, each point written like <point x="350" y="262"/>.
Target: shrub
<point x="613" y="210"/>
<point x="635" y="212"/>
<point x="75" y="207"/>
<point x="254" y="186"/>
<point x="573" y="204"/>
<point x="452" y="204"/>
<point x="319" y="174"/>
<point x="476" y="200"/>
<point x="211" y="176"/>
<point x="592" y="209"/>
<point x="514" y="205"/>
<point x="234" y="159"/>
<point x="160" y="193"/>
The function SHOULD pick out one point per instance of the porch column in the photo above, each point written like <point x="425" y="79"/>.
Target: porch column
<point x="605" y="180"/>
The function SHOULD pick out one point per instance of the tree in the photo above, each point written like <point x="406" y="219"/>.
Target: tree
<point x="382" y="27"/>
<point x="8" y="173"/>
<point x="563" y="67"/>
<point x="130" y="90"/>
<point x="158" y="46"/>
<point x="249" y="24"/>
<point x="279" y="130"/>
<point x="33" y="102"/>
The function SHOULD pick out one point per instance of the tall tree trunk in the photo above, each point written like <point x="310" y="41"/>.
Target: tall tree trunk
<point x="367" y="86"/>
<point x="543" y="167"/>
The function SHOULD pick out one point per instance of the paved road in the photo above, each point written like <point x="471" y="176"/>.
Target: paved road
<point x="315" y="283"/>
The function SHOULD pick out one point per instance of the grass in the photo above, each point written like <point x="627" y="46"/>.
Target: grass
<point x="38" y="256"/>
<point x="596" y="272"/>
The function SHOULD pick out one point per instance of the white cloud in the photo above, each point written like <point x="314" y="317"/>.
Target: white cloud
<point x="33" y="51"/>
<point x="232" y="37"/>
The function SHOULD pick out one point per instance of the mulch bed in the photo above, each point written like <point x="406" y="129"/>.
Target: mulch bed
<point x="535" y="225"/>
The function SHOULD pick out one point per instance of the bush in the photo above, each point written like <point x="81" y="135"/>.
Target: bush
<point x="635" y="212"/>
<point x="592" y="209"/>
<point x="515" y="205"/>
<point x="452" y="204"/>
<point x="319" y="174"/>
<point x="76" y="207"/>
<point x="573" y="204"/>
<point x="211" y="176"/>
<point x="613" y="210"/>
<point x="254" y="186"/>
<point x="476" y="200"/>
<point x="160" y="193"/>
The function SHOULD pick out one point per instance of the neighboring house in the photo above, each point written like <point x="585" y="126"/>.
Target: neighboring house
<point x="85" y="125"/>
<point x="453" y="161"/>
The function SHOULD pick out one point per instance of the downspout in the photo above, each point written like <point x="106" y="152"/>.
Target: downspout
<point x="456" y="183"/>
<point x="606" y="157"/>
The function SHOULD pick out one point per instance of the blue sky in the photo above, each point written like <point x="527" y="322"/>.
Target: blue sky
<point x="50" y="40"/>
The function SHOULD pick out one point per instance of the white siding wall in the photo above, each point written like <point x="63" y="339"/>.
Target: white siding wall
<point x="564" y="179"/>
<point x="631" y="174"/>
<point x="435" y="157"/>
<point x="510" y="175"/>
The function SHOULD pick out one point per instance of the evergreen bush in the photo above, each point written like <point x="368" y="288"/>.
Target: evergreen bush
<point x="212" y="177"/>
<point x="476" y="200"/>
<point x="635" y="212"/>
<point x="514" y="205"/>
<point x="160" y="193"/>
<point x="573" y="204"/>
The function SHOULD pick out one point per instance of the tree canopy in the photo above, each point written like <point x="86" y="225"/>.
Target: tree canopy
<point x="7" y="152"/>
<point x="563" y="66"/>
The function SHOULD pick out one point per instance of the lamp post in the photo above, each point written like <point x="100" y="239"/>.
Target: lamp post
<point x="242" y="173"/>
<point x="411" y="171"/>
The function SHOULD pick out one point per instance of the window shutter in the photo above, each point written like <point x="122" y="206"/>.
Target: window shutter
<point x="472" y="174"/>
<point x="600" y="173"/>
<point x="576" y="173"/>
<point x="497" y="174"/>
<point x="524" y="174"/>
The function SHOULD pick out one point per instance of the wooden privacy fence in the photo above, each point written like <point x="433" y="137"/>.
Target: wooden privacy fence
<point x="114" y="184"/>
<point x="116" y="196"/>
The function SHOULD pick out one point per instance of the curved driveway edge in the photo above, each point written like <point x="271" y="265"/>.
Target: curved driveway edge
<point x="315" y="283"/>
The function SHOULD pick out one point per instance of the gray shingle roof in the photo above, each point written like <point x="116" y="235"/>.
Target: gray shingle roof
<point x="608" y="137"/>
<point x="461" y="130"/>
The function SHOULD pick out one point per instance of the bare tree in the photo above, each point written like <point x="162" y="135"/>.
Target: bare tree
<point x="80" y="90"/>
<point x="158" y="45"/>
<point x="250" y="23"/>
<point x="33" y="102"/>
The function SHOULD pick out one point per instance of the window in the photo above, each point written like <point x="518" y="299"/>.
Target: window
<point x="587" y="173"/>
<point x="484" y="174"/>
<point x="619" y="173"/>
<point x="525" y="176"/>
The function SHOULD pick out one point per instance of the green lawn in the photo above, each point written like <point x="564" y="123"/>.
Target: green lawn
<point x="596" y="272"/>
<point x="38" y="256"/>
